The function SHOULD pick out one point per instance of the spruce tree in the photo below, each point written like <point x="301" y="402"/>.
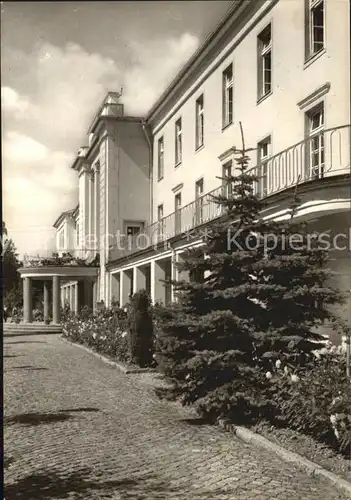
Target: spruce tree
<point x="262" y="299"/>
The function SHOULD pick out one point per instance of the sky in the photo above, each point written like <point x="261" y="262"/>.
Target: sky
<point x="58" y="60"/>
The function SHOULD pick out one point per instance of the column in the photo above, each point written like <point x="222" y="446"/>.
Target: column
<point x="76" y="299"/>
<point x="62" y="297"/>
<point x="115" y="287"/>
<point x="84" y="175"/>
<point x="181" y="275"/>
<point x="158" y="292"/>
<point x="173" y="275"/>
<point x="125" y="287"/>
<point x="72" y="297"/>
<point x="95" y="296"/>
<point x="56" y="299"/>
<point x="91" y="206"/>
<point x="27" y="300"/>
<point x="47" y="300"/>
<point x="69" y="296"/>
<point x="139" y="279"/>
<point x="97" y="204"/>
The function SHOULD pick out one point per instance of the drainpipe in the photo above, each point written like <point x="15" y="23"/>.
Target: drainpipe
<point x="149" y="141"/>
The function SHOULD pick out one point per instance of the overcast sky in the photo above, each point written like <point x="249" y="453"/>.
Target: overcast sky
<point x="58" y="61"/>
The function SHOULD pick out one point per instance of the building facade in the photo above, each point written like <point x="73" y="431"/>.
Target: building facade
<point x="282" y="69"/>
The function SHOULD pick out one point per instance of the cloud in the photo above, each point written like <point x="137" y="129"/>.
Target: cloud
<point x="12" y="103"/>
<point x="154" y="66"/>
<point x="44" y="128"/>
<point x="20" y="149"/>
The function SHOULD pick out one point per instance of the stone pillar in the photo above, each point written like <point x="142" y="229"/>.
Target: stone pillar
<point x="76" y="299"/>
<point x="69" y="296"/>
<point x="91" y="235"/>
<point x="115" y="287"/>
<point x="56" y="299"/>
<point x="27" y="300"/>
<point x="181" y="275"/>
<point x="139" y="279"/>
<point x="47" y="300"/>
<point x="173" y="275"/>
<point x="96" y="169"/>
<point x="125" y="287"/>
<point x="158" y="292"/>
<point x="84" y="175"/>
<point x="72" y="297"/>
<point x="95" y="296"/>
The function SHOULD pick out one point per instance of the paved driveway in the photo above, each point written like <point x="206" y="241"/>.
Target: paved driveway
<point x="77" y="429"/>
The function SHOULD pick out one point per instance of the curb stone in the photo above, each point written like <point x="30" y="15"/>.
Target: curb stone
<point x="310" y="467"/>
<point x="115" y="364"/>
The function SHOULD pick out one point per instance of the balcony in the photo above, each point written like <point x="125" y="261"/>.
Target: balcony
<point x="75" y="257"/>
<point x="322" y="155"/>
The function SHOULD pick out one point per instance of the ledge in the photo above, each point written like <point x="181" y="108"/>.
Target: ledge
<point x="288" y="456"/>
<point x="225" y="127"/>
<point x="62" y="271"/>
<point x="310" y="60"/>
<point x="264" y="97"/>
<point x="314" y="96"/>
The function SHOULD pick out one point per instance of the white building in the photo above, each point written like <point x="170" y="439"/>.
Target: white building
<point x="280" y="67"/>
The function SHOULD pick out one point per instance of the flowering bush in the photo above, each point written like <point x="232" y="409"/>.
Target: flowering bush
<point x="316" y="401"/>
<point x="66" y="259"/>
<point x="38" y="315"/>
<point x="105" y="332"/>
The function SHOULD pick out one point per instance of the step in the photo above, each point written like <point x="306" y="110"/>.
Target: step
<point x="24" y="328"/>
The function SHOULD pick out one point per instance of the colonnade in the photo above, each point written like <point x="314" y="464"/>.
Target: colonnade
<point x="56" y="294"/>
<point x="51" y="300"/>
<point x="150" y="277"/>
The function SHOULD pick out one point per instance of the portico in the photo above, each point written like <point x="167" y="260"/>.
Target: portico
<point x="81" y="293"/>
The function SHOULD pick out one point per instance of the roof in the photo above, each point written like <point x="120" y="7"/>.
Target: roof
<point x="67" y="213"/>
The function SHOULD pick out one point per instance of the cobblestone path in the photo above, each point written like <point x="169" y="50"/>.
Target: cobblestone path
<point x="77" y="429"/>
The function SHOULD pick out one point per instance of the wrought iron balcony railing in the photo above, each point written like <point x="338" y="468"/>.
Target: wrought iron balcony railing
<point x="324" y="154"/>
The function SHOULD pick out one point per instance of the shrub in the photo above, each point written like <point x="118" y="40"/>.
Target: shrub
<point x="105" y="332"/>
<point x="140" y="328"/>
<point x="316" y="401"/>
<point x="38" y="315"/>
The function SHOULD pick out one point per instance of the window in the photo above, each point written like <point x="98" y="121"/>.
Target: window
<point x="77" y="234"/>
<point x="161" y="222"/>
<point x="315" y="144"/>
<point x="177" y="215"/>
<point x="178" y="141"/>
<point x="265" y="62"/>
<point x="132" y="231"/>
<point x="199" y="191"/>
<point x="264" y="152"/>
<point x="314" y="27"/>
<point x="61" y="239"/>
<point x="199" y="141"/>
<point x="160" y="212"/>
<point x="226" y="175"/>
<point x="228" y="96"/>
<point x="160" y="158"/>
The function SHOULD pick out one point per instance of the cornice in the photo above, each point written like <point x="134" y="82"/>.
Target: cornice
<point x="311" y="99"/>
<point x="178" y="187"/>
